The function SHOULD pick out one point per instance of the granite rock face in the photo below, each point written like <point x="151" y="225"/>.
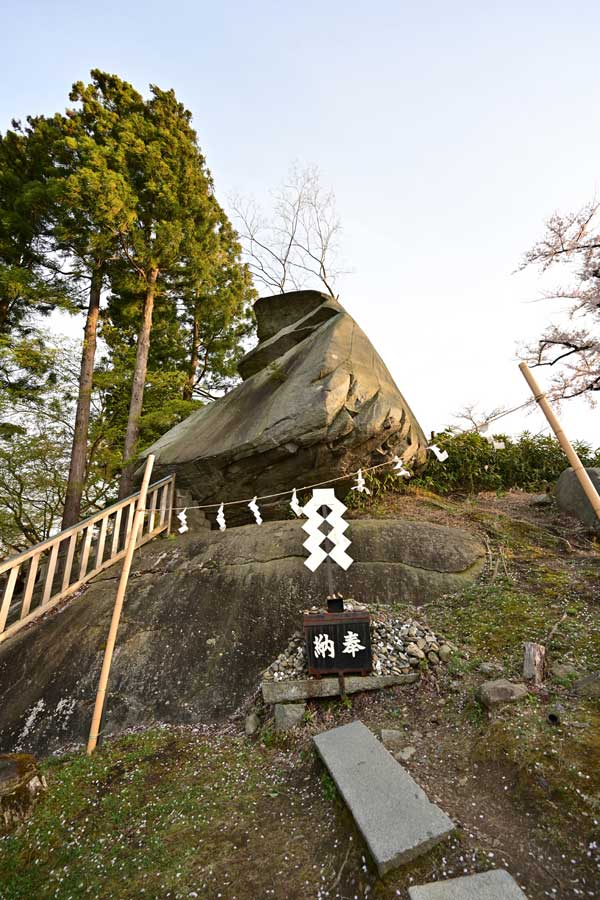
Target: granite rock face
<point x="316" y="402"/>
<point x="572" y="499"/>
<point x="203" y="618"/>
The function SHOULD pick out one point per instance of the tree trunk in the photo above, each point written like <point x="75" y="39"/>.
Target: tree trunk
<point x="533" y="662"/>
<point x="188" y="388"/>
<point x="75" y="485"/>
<point x="137" y="389"/>
<point x="4" y="311"/>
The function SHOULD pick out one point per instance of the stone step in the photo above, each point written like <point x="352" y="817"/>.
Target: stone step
<point x="496" y="884"/>
<point x="393" y="813"/>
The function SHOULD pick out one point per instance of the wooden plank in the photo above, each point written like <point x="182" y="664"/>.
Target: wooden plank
<point x="101" y="542"/>
<point x="116" y="533"/>
<point x="118" y="607"/>
<point x="8" y="595"/>
<point x="85" y="553"/>
<point x="164" y="493"/>
<point x="69" y="561"/>
<point x="50" y="574"/>
<point x="152" y="512"/>
<point x="171" y="504"/>
<point x="29" y="587"/>
<point x="130" y="514"/>
<point x="61" y="536"/>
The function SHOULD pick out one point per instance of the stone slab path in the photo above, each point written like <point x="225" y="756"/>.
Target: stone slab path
<point x="494" y="885"/>
<point x="394" y="815"/>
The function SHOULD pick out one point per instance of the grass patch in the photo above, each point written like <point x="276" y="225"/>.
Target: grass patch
<point x="138" y="816"/>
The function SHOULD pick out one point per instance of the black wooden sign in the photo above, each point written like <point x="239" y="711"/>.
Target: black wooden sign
<point x="338" y="643"/>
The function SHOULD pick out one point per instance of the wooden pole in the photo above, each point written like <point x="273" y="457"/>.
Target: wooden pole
<point x="116" y="616"/>
<point x="584" y="479"/>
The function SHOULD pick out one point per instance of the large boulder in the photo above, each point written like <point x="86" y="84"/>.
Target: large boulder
<point x="571" y="498"/>
<point x="316" y="402"/>
<point x="203" y="617"/>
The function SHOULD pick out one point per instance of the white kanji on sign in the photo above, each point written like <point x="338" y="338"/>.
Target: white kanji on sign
<point x="323" y="646"/>
<point x="351" y="643"/>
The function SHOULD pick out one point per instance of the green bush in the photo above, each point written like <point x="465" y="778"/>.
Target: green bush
<point x="530" y="463"/>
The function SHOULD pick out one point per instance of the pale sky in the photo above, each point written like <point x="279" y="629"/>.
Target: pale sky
<point x="448" y="133"/>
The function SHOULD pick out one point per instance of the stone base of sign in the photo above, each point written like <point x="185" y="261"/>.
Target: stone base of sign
<point x="288" y="715"/>
<point x="305" y="689"/>
<point x="394" y="815"/>
<point x="494" y="885"/>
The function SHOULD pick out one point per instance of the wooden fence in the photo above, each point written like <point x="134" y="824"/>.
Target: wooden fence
<point x="39" y="578"/>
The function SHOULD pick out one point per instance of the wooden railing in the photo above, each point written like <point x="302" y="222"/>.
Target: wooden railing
<point x="39" y="578"/>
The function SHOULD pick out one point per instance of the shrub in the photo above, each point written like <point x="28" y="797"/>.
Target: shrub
<point x="531" y="463"/>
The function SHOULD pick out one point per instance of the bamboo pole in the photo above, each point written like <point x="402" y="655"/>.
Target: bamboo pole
<point x="584" y="479"/>
<point x="116" y="616"/>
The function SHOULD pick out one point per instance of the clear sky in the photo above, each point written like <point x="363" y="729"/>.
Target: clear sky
<point x="448" y="131"/>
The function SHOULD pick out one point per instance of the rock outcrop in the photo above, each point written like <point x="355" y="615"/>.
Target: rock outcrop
<point x="571" y="498"/>
<point x="495" y="693"/>
<point x="316" y="402"/>
<point x="204" y="616"/>
<point x="21" y="783"/>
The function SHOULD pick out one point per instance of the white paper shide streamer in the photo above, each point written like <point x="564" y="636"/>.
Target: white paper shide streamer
<point x="401" y="469"/>
<point x="221" y="518"/>
<point x="335" y="516"/>
<point x="360" y="485"/>
<point x="295" y="504"/>
<point x="253" y="507"/>
<point x="440" y="455"/>
<point x="496" y="445"/>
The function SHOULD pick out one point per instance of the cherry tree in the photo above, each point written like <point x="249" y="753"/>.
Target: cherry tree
<point x="573" y="347"/>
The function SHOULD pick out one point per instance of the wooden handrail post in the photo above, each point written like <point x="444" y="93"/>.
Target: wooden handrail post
<point x="584" y="479"/>
<point x="116" y="616"/>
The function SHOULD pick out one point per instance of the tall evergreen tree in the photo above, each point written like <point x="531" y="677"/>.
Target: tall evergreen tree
<point x="176" y="219"/>
<point x="114" y="198"/>
<point x="95" y="206"/>
<point x="30" y="285"/>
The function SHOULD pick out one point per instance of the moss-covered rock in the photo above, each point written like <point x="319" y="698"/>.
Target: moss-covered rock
<point x="20" y="785"/>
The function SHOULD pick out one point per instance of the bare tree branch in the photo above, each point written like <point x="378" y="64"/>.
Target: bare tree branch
<point x="297" y="245"/>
